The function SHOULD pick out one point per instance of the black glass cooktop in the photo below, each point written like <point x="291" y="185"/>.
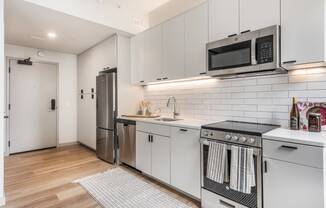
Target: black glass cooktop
<point x="241" y="127"/>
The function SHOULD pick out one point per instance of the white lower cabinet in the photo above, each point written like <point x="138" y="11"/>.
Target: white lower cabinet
<point x="143" y="152"/>
<point x="290" y="183"/>
<point x="161" y="158"/>
<point x="185" y="163"/>
<point x="170" y="154"/>
<point x="153" y="152"/>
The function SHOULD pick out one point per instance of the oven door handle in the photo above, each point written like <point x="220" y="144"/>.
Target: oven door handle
<point x="204" y="141"/>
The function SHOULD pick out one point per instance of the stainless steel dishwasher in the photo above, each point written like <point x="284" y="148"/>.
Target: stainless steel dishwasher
<point x="126" y="132"/>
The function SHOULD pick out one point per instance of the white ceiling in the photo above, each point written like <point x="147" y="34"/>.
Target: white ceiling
<point x="126" y="15"/>
<point x="27" y="24"/>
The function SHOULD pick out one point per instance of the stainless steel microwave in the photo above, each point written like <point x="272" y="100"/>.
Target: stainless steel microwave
<point x="248" y="54"/>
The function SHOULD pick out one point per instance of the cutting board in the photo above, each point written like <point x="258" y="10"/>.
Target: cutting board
<point x="139" y="116"/>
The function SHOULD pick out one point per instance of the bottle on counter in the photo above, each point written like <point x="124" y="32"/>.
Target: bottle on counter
<point x="294" y="116"/>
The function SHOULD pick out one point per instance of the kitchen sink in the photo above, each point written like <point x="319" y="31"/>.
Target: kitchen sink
<point x="167" y="119"/>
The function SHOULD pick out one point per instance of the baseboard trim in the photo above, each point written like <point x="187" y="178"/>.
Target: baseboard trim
<point x="2" y="201"/>
<point x="84" y="145"/>
<point x="67" y="144"/>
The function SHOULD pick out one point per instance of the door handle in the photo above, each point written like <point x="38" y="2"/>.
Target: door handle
<point x="53" y="104"/>
<point x="184" y="130"/>
<point x="226" y="204"/>
<point x="265" y="166"/>
<point x="152" y="138"/>
<point x="289" y="147"/>
<point x="289" y="62"/>
<point x="232" y="35"/>
<point x="149" y="138"/>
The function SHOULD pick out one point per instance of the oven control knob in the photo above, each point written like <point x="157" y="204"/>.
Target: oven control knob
<point x="251" y="141"/>
<point x="243" y="139"/>
<point x="205" y="133"/>
<point x="235" y="138"/>
<point x="227" y="137"/>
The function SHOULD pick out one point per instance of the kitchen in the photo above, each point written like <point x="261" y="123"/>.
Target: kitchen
<point x="186" y="99"/>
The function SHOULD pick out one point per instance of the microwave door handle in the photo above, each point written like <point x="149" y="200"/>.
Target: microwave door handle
<point x="253" y="52"/>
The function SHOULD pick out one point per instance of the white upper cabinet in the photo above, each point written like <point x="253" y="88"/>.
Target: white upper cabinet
<point x="223" y="18"/>
<point x="153" y="54"/>
<point x="303" y="31"/>
<point x="174" y="48"/>
<point x="257" y="14"/>
<point x="137" y="59"/>
<point x="196" y="34"/>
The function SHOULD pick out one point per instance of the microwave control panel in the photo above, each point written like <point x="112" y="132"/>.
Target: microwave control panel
<point x="264" y="49"/>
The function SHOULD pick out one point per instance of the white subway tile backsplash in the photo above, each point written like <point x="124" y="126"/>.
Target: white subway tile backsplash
<point x="273" y="80"/>
<point x="244" y="95"/>
<point x="244" y="107"/>
<point x="308" y="93"/>
<point x="273" y="108"/>
<point x="274" y="94"/>
<point x="317" y="85"/>
<point x="258" y="114"/>
<point x="258" y="88"/>
<point x="262" y="99"/>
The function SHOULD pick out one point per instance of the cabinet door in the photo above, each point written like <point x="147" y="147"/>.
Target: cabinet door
<point x="288" y="185"/>
<point x="257" y="14"/>
<point x="174" y="48"/>
<point x="185" y="160"/>
<point x="303" y="35"/>
<point x="137" y="59"/>
<point x="153" y="54"/>
<point x="196" y="33"/>
<point x="143" y="152"/>
<point x="87" y="120"/>
<point x="161" y="158"/>
<point x="223" y="18"/>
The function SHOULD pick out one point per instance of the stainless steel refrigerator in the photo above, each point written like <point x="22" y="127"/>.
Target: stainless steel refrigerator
<point x="106" y="112"/>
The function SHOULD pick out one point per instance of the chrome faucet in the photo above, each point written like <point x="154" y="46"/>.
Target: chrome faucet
<point x="174" y="105"/>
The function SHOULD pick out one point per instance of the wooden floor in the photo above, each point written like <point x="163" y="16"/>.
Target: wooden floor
<point x="43" y="178"/>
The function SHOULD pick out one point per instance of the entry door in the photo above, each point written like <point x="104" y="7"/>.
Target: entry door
<point x="33" y="106"/>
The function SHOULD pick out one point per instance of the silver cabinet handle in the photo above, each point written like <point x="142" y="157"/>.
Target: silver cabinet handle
<point x="289" y="62"/>
<point x="289" y="147"/>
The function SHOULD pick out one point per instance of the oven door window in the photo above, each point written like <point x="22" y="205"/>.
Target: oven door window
<point x="248" y="200"/>
<point x="231" y="56"/>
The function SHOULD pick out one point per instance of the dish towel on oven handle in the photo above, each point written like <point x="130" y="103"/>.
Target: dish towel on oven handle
<point x="216" y="162"/>
<point x="242" y="177"/>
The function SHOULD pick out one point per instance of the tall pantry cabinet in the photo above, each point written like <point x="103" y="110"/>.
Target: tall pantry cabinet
<point x="112" y="52"/>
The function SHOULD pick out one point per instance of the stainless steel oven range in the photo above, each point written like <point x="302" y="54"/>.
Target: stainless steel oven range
<point x="232" y="133"/>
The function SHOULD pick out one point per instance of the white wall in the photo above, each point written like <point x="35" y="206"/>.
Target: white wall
<point x="67" y="88"/>
<point x="171" y="9"/>
<point x="259" y="99"/>
<point x="2" y="99"/>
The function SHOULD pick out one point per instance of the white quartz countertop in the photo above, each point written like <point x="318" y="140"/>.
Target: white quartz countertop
<point x="299" y="137"/>
<point x="185" y="123"/>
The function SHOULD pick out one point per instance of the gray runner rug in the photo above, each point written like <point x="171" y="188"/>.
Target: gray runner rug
<point x="117" y="188"/>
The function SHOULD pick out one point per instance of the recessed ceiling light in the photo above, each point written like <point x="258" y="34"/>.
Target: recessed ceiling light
<point x="52" y="35"/>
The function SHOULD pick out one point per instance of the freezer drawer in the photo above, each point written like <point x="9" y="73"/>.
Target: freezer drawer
<point x="105" y="144"/>
<point x="127" y="143"/>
